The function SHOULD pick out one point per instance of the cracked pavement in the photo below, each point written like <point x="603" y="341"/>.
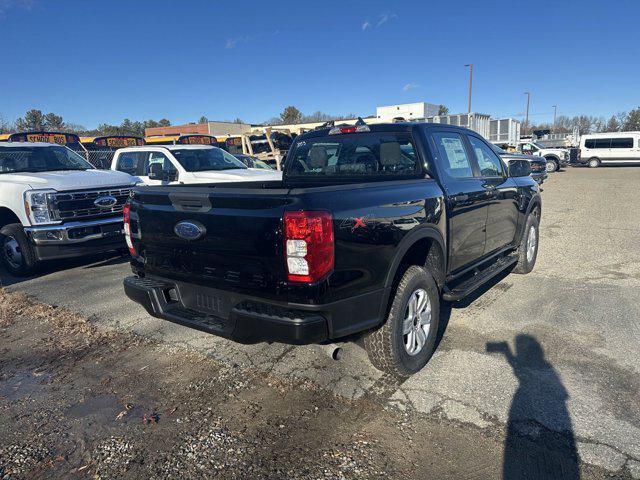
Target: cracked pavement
<point x="550" y="356"/>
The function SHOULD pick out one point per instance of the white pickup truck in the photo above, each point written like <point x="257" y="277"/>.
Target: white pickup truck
<point x="176" y="164"/>
<point x="54" y="204"/>
<point x="556" y="157"/>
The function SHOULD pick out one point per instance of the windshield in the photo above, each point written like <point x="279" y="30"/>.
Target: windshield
<point x="205" y="159"/>
<point x="375" y="153"/>
<point x="252" y="162"/>
<point x="497" y="149"/>
<point x="40" y="159"/>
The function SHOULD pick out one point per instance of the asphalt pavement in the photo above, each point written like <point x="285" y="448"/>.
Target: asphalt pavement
<point x="550" y="356"/>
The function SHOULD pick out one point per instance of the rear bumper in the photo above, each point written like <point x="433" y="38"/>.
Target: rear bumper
<point x="246" y="319"/>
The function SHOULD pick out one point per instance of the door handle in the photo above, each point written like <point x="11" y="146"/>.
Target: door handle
<point x="460" y="198"/>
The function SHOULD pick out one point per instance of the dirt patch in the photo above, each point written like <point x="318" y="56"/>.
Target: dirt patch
<point x="78" y="402"/>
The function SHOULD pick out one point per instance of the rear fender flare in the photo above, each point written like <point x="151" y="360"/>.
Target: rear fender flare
<point x="403" y="247"/>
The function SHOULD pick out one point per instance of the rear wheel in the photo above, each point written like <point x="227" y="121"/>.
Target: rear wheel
<point x="528" y="249"/>
<point x="405" y="342"/>
<point x="594" y="162"/>
<point x="18" y="255"/>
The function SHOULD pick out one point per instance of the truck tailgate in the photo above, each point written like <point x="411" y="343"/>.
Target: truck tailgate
<point x="241" y="249"/>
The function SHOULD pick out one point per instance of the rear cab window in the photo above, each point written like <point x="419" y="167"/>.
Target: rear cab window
<point x="369" y="154"/>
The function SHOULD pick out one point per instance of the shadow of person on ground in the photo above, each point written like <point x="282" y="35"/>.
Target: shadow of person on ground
<point x="541" y="399"/>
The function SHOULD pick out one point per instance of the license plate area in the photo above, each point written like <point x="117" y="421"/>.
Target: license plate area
<point x="209" y="301"/>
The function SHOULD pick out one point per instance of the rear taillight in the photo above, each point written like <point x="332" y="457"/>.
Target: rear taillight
<point x="126" y="216"/>
<point x="308" y="245"/>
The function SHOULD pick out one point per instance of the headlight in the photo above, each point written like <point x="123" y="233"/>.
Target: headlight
<point x="39" y="206"/>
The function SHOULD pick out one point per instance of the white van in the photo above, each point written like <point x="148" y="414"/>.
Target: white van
<point x="613" y="147"/>
<point x="174" y="164"/>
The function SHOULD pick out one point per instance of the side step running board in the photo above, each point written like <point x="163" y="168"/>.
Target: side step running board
<point x="480" y="278"/>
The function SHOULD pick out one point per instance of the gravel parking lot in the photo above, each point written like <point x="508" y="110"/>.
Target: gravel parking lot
<point x="535" y="377"/>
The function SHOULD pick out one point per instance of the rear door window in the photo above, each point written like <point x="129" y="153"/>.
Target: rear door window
<point x="603" y="143"/>
<point x="453" y="154"/>
<point x="375" y="153"/>
<point x="131" y="162"/>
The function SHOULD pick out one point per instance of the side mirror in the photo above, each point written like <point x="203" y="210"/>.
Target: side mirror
<point x="519" y="168"/>
<point x="155" y="171"/>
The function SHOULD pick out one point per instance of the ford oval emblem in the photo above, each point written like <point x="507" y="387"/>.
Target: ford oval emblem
<point x="105" y="202"/>
<point x="189" y="230"/>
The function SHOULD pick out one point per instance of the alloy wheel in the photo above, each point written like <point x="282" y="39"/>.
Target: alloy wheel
<point x="417" y="322"/>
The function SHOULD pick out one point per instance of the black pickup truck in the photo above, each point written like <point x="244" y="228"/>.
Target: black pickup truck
<point x="371" y="227"/>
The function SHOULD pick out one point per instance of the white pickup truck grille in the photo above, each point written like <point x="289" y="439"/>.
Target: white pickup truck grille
<point x="81" y="204"/>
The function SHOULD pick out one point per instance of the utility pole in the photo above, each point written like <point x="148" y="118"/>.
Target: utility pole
<point x="526" y="118"/>
<point x="470" y="65"/>
<point x="555" y="110"/>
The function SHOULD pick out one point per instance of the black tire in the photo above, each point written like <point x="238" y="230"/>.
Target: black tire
<point x="28" y="261"/>
<point x="385" y="346"/>
<point x="552" y="165"/>
<point x="593" y="162"/>
<point x="526" y="262"/>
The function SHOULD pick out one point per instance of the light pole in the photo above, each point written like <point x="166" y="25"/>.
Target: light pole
<point x="526" y="118"/>
<point x="470" y="65"/>
<point x="555" y="110"/>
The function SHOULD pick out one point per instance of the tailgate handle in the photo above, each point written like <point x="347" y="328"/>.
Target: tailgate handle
<point x="190" y="202"/>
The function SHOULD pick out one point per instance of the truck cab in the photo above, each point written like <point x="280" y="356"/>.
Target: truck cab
<point x="54" y="204"/>
<point x="556" y="158"/>
<point x="180" y="164"/>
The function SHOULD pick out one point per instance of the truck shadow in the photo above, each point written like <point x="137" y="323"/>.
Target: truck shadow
<point x="55" y="266"/>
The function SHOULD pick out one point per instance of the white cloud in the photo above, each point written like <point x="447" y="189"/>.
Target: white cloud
<point x="382" y="19"/>
<point x="6" y="5"/>
<point x="410" y="86"/>
<point x="233" y="42"/>
<point x="385" y="18"/>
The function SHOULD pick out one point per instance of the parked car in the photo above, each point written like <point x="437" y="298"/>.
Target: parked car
<point x="538" y="164"/>
<point x="369" y="230"/>
<point x="175" y="164"/>
<point x="54" y="204"/>
<point x="610" y="148"/>
<point x="252" y="162"/>
<point x="556" y="158"/>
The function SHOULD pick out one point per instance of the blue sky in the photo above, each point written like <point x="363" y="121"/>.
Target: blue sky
<point x="99" y="61"/>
